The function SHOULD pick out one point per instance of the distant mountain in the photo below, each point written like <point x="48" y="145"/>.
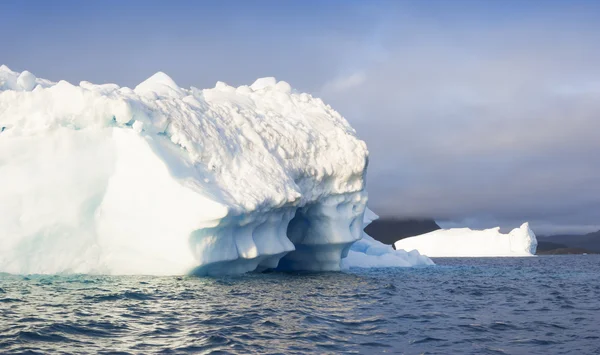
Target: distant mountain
<point x="589" y="242"/>
<point x="550" y="248"/>
<point x="390" y="230"/>
<point x="547" y="246"/>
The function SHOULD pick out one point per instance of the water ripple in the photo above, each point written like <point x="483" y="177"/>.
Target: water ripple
<point x="539" y="305"/>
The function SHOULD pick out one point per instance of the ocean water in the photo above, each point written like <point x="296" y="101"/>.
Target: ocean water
<point x="538" y="305"/>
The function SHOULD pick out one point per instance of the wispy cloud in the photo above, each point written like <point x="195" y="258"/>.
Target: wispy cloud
<point x="342" y="84"/>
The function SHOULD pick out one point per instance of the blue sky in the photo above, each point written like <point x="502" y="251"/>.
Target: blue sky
<point x="475" y="112"/>
<point x="126" y="42"/>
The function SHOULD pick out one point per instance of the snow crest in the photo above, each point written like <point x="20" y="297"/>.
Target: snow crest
<point x="465" y="242"/>
<point x="166" y="180"/>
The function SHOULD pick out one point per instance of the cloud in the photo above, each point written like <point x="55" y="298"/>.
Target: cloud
<point x="342" y="84"/>
<point x="484" y="129"/>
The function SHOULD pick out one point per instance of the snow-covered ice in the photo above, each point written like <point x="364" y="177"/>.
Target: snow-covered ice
<point x="161" y="179"/>
<point x="465" y="242"/>
<point x="368" y="252"/>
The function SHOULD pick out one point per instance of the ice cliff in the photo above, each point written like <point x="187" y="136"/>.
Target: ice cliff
<point x="465" y="242"/>
<point x="165" y="180"/>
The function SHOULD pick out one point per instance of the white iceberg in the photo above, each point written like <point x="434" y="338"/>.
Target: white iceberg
<point x="368" y="252"/>
<point x="465" y="242"/>
<point x="164" y="180"/>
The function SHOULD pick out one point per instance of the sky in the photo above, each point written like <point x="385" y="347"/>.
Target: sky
<point x="476" y="113"/>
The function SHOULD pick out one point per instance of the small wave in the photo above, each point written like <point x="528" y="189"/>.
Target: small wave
<point x="161" y="331"/>
<point x="9" y="300"/>
<point x="132" y="295"/>
<point x="30" y="320"/>
<point x="490" y="350"/>
<point x="426" y="340"/>
<point x="534" y="341"/>
<point x="474" y="327"/>
<point x="503" y="326"/>
<point x="407" y="316"/>
<point x="360" y="322"/>
<point x="33" y="336"/>
<point x="91" y="329"/>
<point x="206" y="344"/>
<point x="270" y="324"/>
<point x="373" y="344"/>
<point x="548" y="325"/>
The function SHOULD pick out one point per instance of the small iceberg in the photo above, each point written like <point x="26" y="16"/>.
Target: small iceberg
<point x="465" y="242"/>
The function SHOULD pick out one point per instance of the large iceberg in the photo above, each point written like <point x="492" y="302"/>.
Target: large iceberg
<point x="465" y="242"/>
<point x="165" y="180"/>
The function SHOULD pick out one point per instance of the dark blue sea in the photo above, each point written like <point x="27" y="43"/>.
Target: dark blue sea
<point x="538" y="305"/>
